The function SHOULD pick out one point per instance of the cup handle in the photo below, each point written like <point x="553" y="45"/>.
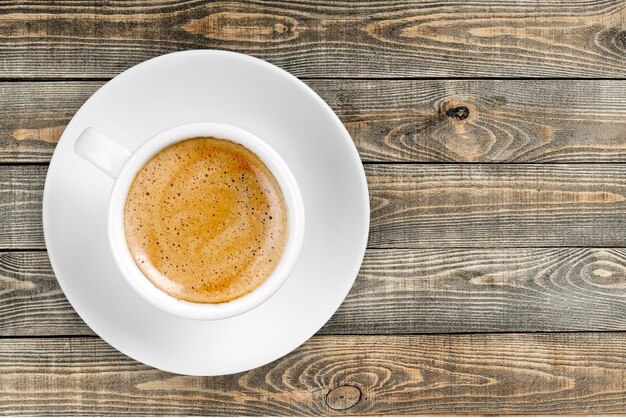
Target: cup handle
<point x="100" y="150"/>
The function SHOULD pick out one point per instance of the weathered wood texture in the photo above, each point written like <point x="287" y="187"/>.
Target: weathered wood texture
<point x="398" y="292"/>
<point x="462" y="374"/>
<point x="398" y="121"/>
<point x="426" y="206"/>
<point x="485" y="290"/>
<point x="482" y="120"/>
<point x="34" y="115"/>
<point x="31" y="301"/>
<point x="410" y="38"/>
<point x="21" y="194"/>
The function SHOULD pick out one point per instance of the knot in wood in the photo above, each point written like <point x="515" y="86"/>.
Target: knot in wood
<point x="460" y="112"/>
<point x="281" y="28"/>
<point x="343" y="397"/>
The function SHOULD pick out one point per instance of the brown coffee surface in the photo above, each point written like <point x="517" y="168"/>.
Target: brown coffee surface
<point x="205" y="220"/>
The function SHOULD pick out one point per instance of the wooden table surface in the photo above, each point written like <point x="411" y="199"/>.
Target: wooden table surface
<point x="494" y="141"/>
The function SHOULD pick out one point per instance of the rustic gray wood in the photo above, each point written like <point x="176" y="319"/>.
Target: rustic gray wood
<point x="33" y="116"/>
<point x="398" y="292"/>
<point x="475" y="206"/>
<point x="395" y="120"/>
<point x="330" y="38"/>
<point x="31" y="301"/>
<point x="482" y="120"/>
<point x="449" y="374"/>
<point x="485" y="290"/>
<point x="21" y="194"/>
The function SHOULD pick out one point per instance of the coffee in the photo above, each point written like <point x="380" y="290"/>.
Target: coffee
<point x="205" y="220"/>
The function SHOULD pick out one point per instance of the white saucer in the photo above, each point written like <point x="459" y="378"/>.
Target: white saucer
<point x="239" y="90"/>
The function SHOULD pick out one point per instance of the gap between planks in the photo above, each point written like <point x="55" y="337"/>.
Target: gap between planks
<point x="338" y="78"/>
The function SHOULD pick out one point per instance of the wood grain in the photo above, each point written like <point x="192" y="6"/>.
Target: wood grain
<point x="427" y="206"/>
<point x="398" y="292"/>
<point x="34" y="116"/>
<point x="462" y="374"/>
<point x="21" y="194"/>
<point x="485" y="290"/>
<point x="482" y="120"/>
<point x="410" y="38"/>
<point x="474" y="206"/>
<point x="395" y="121"/>
<point x="31" y="301"/>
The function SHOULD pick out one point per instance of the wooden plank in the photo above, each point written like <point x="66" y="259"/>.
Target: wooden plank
<point x="410" y="38"/>
<point x="34" y="116"/>
<point x="31" y="301"/>
<point x="485" y="290"/>
<point x="370" y="375"/>
<point x="482" y="120"/>
<point x="399" y="292"/>
<point x="21" y="194"/>
<point x="429" y="206"/>
<point x="474" y="206"/>
<point x="399" y="120"/>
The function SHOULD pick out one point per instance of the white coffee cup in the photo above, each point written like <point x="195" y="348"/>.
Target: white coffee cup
<point x="114" y="159"/>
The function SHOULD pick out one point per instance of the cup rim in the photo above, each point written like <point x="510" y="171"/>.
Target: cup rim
<point x="194" y="310"/>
